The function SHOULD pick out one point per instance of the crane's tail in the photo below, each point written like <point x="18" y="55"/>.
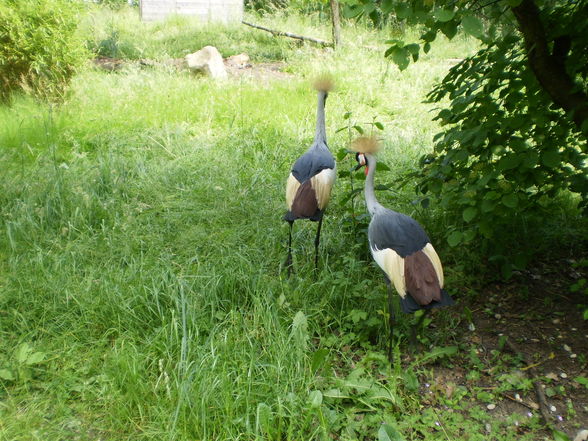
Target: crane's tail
<point x="409" y="305"/>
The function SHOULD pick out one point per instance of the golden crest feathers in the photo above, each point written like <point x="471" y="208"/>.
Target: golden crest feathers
<point x="324" y="83"/>
<point x="365" y="144"/>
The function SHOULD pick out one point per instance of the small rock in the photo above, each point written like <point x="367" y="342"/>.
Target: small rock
<point x="471" y="327"/>
<point x="553" y="408"/>
<point x="582" y="435"/>
<point x="497" y="316"/>
<point x="240" y="60"/>
<point x="491" y="406"/>
<point x="209" y="61"/>
<point x="551" y="376"/>
<point x="488" y="428"/>
<point x="555" y="321"/>
<point x="573" y="355"/>
<point x="567" y="348"/>
<point x="574" y="329"/>
<point x="563" y="375"/>
<point x="518" y="397"/>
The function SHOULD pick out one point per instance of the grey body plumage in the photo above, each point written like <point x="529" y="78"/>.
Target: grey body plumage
<point x="397" y="231"/>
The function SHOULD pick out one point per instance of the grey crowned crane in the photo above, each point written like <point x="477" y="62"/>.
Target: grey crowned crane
<point x="400" y="247"/>
<point x="309" y="185"/>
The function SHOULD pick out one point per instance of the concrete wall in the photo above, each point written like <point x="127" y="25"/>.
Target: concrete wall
<point x="224" y="11"/>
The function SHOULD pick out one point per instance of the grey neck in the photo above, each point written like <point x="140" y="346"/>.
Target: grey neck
<point x="370" y="196"/>
<point x="320" y="136"/>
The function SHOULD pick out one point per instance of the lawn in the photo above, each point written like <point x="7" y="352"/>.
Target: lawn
<point x="142" y="289"/>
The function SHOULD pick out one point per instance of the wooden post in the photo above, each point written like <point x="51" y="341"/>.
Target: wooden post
<point x="336" y="23"/>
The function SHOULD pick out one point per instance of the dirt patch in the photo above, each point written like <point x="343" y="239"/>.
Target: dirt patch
<point x="543" y="319"/>
<point x="263" y="72"/>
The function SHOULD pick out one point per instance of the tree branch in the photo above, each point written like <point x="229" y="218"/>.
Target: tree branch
<point x="289" y="34"/>
<point x="549" y="69"/>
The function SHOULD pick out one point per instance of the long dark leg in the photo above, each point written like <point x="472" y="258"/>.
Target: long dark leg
<point x="289" y="256"/>
<point x="390" y="322"/>
<point x="317" y="241"/>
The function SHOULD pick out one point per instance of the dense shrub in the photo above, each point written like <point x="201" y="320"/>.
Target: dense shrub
<point x="40" y="49"/>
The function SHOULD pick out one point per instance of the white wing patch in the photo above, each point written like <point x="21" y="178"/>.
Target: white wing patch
<point x="291" y="188"/>
<point x="393" y="265"/>
<point x="322" y="183"/>
<point x="434" y="258"/>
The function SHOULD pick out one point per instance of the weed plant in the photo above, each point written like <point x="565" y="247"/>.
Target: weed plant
<point x="141" y="243"/>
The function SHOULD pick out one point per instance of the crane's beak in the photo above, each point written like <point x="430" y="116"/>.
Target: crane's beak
<point x="357" y="167"/>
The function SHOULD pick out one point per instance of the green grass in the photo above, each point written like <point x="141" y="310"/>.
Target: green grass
<point x="141" y="245"/>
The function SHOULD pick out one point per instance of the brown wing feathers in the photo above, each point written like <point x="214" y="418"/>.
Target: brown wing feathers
<point x="305" y="203"/>
<point x="421" y="279"/>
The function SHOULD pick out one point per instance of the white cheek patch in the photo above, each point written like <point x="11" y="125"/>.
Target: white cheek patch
<point x="393" y="265"/>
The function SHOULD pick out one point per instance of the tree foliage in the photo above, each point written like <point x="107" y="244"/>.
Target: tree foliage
<point x="514" y="115"/>
<point x="40" y="49"/>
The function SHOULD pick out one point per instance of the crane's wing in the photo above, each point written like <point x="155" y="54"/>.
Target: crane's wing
<point x="309" y="185"/>
<point x="396" y="231"/>
<point x="402" y="249"/>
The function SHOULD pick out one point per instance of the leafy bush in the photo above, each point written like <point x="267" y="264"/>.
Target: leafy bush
<point x="40" y="49"/>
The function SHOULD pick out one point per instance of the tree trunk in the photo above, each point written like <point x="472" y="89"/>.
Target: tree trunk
<point x="549" y="67"/>
<point x="336" y="23"/>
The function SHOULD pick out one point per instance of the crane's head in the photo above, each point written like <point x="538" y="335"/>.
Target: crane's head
<point x="361" y="161"/>
<point x="364" y="146"/>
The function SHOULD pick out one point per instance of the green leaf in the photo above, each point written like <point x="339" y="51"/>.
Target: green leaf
<point x="560" y="436"/>
<point x="411" y="382"/>
<point x="510" y="200"/>
<point x="400" y="57"/>
<point x="379" y="125"/>
<point x="582" y="380"/>
<point x="551" y="158"/>
<point x="382" y="166"/>
<point x="352" y="11"/>
<point x="472" y="25"/>
<point x="318" y="359"/>
<point x="443" y="15"/>
<point x="513" y="3"/>
<point x="359" y="129"/>
<point x="403" y="11"/>
<point x="5" y="374"/>
<point x="315" y="398"/>
<point x="389" y="433"/>
<point x="22" y="352"/>
<point x="469" y="213"/>
<point x="449" y="29"/>
<point x="35" y="358"/>
<point x="454" y="238"/>
<point x="509" y="162"/>
<point x="387" y="6"/>
<point x="341" y="153"/>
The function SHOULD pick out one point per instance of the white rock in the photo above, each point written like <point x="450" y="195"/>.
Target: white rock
<point x="567" y="348"/>
<point x="240" y="60"/>
<point x="582" y="435"/>
<point x="552" y="408"/>
<point x="573" y="355"/>
<point x="209" y="61"/>
<point x="563" y="375"/>
<point x="491" y="406"/>
<point x="551" y="376"/>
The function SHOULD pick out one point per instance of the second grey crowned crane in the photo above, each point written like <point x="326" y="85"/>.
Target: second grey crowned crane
<point x="309" y="185"/>
<point x="400" y="247"/>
